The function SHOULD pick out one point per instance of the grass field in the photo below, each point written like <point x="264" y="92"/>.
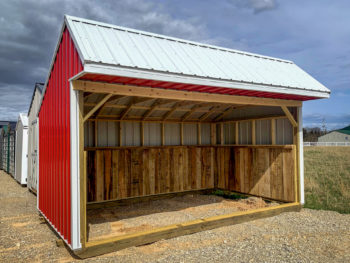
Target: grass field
<point x="327" y="178"/>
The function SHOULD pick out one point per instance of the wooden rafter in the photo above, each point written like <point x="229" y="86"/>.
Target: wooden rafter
<point x="210" y="112"/>
<point x="97" y="106"/>
<point x="224" y="113"/>
<point x="151" y="110"/>
<point x="128" y="108"/>
<point x="193" y="110"/>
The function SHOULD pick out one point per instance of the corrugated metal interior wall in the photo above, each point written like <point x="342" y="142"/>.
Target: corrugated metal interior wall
<point x="54" y="140"/>
<point x="108" y="133"/>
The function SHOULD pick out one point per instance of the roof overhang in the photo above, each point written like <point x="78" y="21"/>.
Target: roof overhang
<point x="111" y="70"/>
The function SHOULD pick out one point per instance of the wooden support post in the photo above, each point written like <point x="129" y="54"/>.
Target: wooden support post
<point x="273" y="131"/>
<point x="120" y="134"/>
<point x="213" y="134"/>
<point x="142" y="134"/>
<point x="253" y="133"/>
<point x="96" y="133"/>
<point x="222" y="142"/>
<point x="163" y="135"/>
<point x="182" y="133"/>
<point x="82" y="172"/>
<point x="237" y="133"/>
<point x="199" y="136"/>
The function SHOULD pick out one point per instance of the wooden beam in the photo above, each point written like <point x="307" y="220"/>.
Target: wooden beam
<point x="289" y="116"/>
<point x="113" y="98"/>
<point x="193" y="110"/>
<point x="129" y="90"/>
<point x="151" y="110"/>
<point x="253" y="133"/>
<point x="120" y="134"/>
<point x="126" y="111"/>
<point x="95" y="248"/>
<point x="213" y="134"/>
<point x="142" y="134"/>
<point x="224" y="113"/>
<point x="273" y="131"/>
<point x="163" y="135"/>
<point x="222" y="142"/>
<point x="96" y="133"/>
<point x="182" y="133"/>
<point x="237" y="133"/>
<point x="210" y="112"/>
<point x="97" y="106"/>
<point x="199" y="135"/>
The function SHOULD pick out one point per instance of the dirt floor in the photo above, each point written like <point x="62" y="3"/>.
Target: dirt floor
<point x="128" y="219"/>
<point x="306" y="236"/>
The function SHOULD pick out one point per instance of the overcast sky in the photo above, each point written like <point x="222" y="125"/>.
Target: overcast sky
<point x="315" y="34"/>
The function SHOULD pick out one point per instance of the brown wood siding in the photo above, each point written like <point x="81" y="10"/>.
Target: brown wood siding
<point x="141" y="171"/>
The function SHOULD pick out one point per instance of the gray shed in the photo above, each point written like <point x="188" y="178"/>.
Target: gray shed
<point x="33" y="138"/>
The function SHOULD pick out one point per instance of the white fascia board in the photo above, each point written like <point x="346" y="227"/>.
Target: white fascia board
<point x="111" y="70"/>
<point x="75" y="176"/>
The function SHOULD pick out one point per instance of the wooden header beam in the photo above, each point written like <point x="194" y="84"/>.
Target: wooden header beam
<point x="128" y="90"/>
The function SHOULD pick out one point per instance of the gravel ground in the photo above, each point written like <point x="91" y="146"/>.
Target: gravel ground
<point x="127" y="219"/>
<point x="306" y="236"/>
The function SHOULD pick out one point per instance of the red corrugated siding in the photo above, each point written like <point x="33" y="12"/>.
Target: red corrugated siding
<point x="54" y="139"/>
<point x="191" y="87"/>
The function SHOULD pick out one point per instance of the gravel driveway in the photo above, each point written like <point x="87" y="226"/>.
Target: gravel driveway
<point x="306" y="236"/>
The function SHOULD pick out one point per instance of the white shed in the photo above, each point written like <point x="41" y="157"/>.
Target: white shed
<point x="33" y="138"/>
<point x="21" y="149"/>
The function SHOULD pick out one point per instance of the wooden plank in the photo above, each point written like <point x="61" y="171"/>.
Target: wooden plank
<point x="237" y="133"/>
<point x="145" y="171"/>
<point x="95" y="133"/>
<point x="128" y="90"/>
<point x="289" y="116"/>
<point x="182" y="133"/>
<point x="128" y="174"/>
<point x="152" y="167"/>
<point x="163" y="134"/>
<point x="116" y="243"/>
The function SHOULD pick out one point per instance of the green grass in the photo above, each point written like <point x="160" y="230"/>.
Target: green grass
<point x="327" y="178"/>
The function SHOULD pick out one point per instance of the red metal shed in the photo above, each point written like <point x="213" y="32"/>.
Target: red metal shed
<point x="93" y="57"/>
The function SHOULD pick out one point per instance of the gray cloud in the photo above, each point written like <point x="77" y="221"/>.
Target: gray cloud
<point x="256" y="5"/>
<point x="29" y="31"/>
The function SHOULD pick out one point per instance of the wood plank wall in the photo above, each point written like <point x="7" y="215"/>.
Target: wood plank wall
<point x="131" y="172"/>
<point x="266" y="172"/>
<point x="141" y="171"/>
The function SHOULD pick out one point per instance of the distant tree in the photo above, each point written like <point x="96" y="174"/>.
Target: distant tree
<point x="312" y="134"/>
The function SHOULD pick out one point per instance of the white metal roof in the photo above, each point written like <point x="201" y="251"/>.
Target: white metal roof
<point x="24" y="119"/>
<point x="115" y="50"/>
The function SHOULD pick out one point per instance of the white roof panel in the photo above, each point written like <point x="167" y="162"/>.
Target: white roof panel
<point x="102" y="44"/>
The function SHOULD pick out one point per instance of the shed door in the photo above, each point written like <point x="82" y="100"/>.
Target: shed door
<point x="34" y="155"/>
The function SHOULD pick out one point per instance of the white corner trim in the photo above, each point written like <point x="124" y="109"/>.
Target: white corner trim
<point x="75" y="187"/>
<point x="301" y="155"/>
<point x="37" y="164"/>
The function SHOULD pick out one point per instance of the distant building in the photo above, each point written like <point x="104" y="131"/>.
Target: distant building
<point x="342" y="135"/>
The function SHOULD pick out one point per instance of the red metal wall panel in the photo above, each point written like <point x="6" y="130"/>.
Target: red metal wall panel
<point x="191" y="87"/>
<point x="54" y="139"/>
